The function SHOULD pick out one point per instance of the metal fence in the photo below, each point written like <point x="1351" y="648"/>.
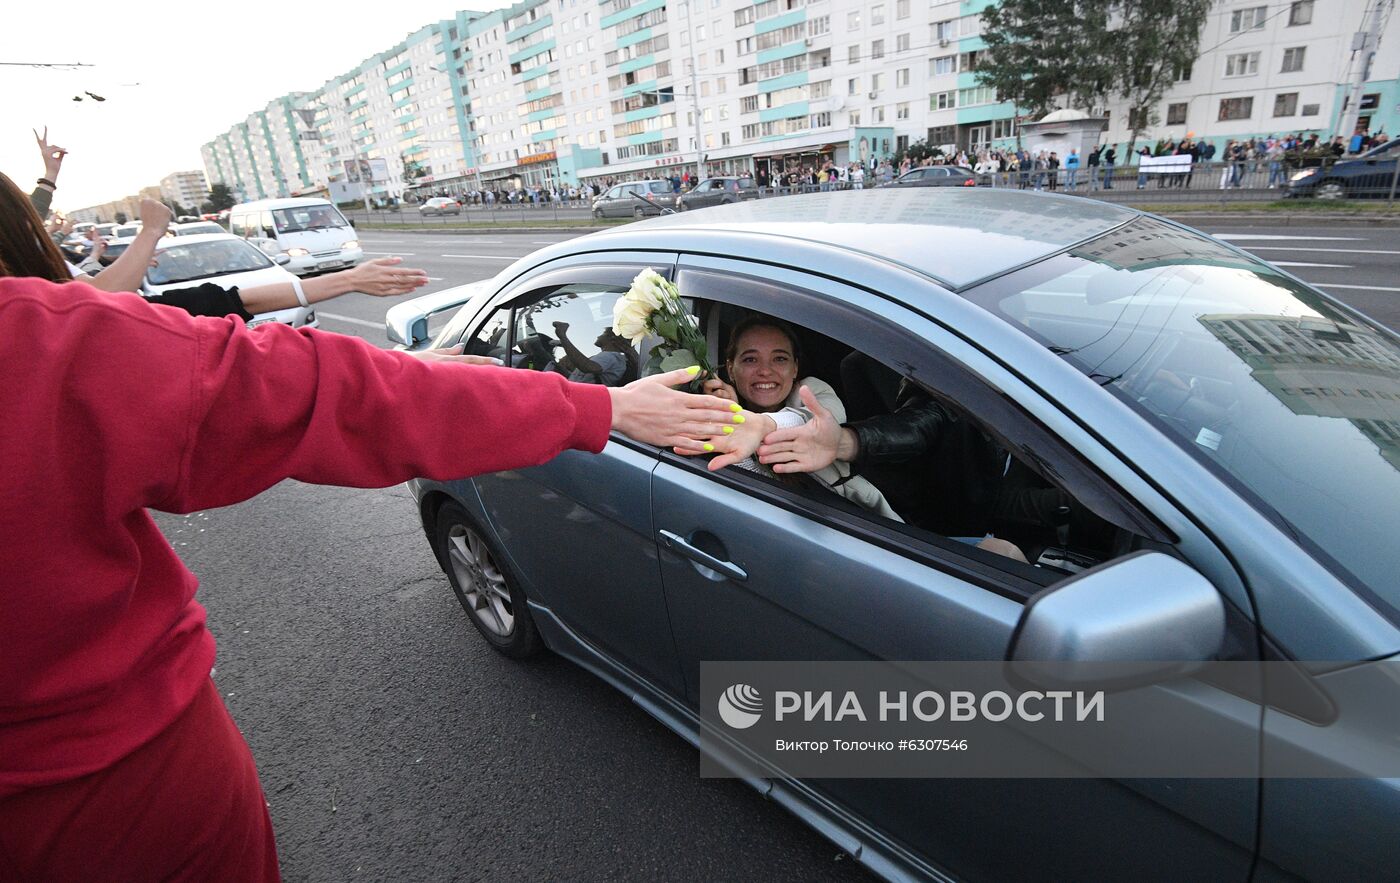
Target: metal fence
<point x="1245" y="181"/>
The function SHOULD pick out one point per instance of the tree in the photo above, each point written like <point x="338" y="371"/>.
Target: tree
<point x="916" y="153"/>
<point x="121" y="217"/>
<point x="1157" y="40"/>
<point x="220" y="197"/>
<point x="412" y="169"/>
<point x="1039" y="51"/>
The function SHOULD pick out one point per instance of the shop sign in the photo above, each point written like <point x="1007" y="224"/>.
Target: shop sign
<point x="538" y="157"/>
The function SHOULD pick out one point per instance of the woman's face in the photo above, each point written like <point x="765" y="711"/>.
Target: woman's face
<point x="764" y="368"/>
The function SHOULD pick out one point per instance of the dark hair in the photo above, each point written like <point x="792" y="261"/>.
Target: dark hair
<point x="758" y="320"/>
<point x="26" y="249"/>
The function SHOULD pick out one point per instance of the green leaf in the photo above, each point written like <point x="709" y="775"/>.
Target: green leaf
<point x="664" y="325"/>
<point x="677" y="360"/>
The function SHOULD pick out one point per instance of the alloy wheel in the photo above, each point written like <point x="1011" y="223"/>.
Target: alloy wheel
<point x="1331" y="190"/>
<point x="483" y="584"/>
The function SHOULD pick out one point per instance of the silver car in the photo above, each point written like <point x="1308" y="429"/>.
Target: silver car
<point x="635" y="199"/>
<point x="1185" y="407"/>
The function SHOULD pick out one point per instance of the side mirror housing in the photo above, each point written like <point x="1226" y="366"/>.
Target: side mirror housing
<point x="1141" y="619"/>
<point x="281" y="260"/>
<point x="406" y="323"/>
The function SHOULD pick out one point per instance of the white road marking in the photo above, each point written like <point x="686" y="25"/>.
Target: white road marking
<point x="434" y="278"/>
<point x="544" y="241"/>
<point x="1307" y="248"/>
<point x="401" y="254"/>
<point x="351" y="319"/>
<point x="1270" y="236"/>
<point x="496" y="257"/>
<point x="1357" y="287"/>
<point x="1306" y="264"/>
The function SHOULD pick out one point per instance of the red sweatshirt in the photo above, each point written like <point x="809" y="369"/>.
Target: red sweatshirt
<point x="110" y="406"/>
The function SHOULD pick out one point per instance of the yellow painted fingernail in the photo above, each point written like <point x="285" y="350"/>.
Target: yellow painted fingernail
<point x="738" y="418"/>
<point x="693" y="370"/>
<point x="735" y="407"/>
<point x="709" y="447"/>
<point x="728" y="430"/>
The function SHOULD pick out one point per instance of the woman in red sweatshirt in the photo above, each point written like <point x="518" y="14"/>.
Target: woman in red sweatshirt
<point x="118" y="760"/>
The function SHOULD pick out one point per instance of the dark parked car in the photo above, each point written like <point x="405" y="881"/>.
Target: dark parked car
<point x="635" y="199"/>
<point x="935" y="176"/>
<point x="717" y="191"/>
<point x="1188" y="408"/>
<point x="1368" y="176"/>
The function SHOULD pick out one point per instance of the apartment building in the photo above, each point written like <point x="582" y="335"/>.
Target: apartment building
<point x="558" y="91"/>
<point x="187" y="189"/>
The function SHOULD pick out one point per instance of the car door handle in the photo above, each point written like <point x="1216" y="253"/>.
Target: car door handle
<point x="680" y="546"/>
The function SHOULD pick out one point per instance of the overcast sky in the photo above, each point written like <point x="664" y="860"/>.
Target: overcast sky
<point x="174" y="75"/>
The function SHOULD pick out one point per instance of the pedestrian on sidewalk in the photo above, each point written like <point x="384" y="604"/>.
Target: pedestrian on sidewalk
<point x="1110" y="156"/>
<point x="1072" y="169"/>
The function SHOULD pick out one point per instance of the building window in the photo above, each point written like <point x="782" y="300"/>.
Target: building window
<point x="1176" y="114"/>
<point x="853" y="54"/>
<point x="855" y="118"/>
<point x="1300" y="13"/>
<point x="877" y="49"/>
<point x="879" y="114"/>
<point x="946" y="64"/>
<point x="1236" y="109"/>
<point x="943" y="31"/>
<point x="943" y="100"/>
<point x="1183" y="73"/>
<point x="853" y="86"/>
<point x="1248" y="19"/>
<point x="901" y="43"/>
<point x="976" y="95"/>
<point x="901" y="110"/>
<point x="1311" y="110"/>
<point x="1242" y="64"/>
<point x="901" y="9"/>
<point x="875" y="82"/>
<point x="877" y="15"/>
<point x="853" y="20"/>
<point x="901" y="78"/>
<point x="1286" y="104"/>
<point x="1293" y="59"/>
<point x="1004" y="128"/>
<point x="940" y="135"/>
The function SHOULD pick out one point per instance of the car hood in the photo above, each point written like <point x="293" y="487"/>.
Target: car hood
<point x="247" y="279"/>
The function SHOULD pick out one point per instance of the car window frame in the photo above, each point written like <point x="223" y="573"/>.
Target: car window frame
<point x="868" y="334"/>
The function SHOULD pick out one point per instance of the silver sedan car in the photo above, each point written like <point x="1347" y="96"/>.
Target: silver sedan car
<point x="1110" y="393"/>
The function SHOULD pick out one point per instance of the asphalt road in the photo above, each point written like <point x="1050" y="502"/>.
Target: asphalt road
<point x="394" y="746"/>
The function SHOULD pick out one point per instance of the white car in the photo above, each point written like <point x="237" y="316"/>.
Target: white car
<point x="312" y="232"/>
<point x="125" y="231"/>
<point x="225" y="260"/>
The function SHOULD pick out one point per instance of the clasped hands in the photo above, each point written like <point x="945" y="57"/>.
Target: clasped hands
<point x="810" y="447"/>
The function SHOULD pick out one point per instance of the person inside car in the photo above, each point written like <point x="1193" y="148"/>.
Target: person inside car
<point x="764" y="360"/>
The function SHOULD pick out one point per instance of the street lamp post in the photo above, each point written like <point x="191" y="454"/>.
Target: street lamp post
<point x="695" y="98"/>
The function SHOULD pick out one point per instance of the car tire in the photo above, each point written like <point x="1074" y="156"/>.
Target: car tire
<point x="1331" y="190"/>
<point x="484" y="585"/>
<point x="597" y="214"/>
<point x="638" y="213"/>
<point x="682" y="206"/>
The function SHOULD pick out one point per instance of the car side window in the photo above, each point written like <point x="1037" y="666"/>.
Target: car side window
<point x="237" y="225"/>
<point x="926" y="465"/>
<point x="568" y="330"/>
<point x="493" y="338"/>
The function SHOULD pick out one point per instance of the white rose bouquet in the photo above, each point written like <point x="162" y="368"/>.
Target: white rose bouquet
<point x="653" y="306"/>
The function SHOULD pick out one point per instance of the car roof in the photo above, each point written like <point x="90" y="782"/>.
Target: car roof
<point x="293" y="202"/>
<point x="195" y="239"/>
<point x="957" y="236"/>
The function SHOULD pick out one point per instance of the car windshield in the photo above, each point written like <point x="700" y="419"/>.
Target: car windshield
<point x="309" y="217"/>
<point x="659" y="187"/>
<point x="1291" y="397"/>
<point x="201" y="260"/>
<point x="192" y="229"/>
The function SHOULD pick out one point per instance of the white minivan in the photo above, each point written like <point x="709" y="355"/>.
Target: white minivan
<point x="312" y="232"/>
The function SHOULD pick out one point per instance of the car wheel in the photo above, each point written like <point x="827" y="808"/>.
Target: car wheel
<point x="1331" y="190"/>
<point x="637" y="213"/>
<point x="682" y="206"/>
<point x="597" y="214"/>
<point x="488" y="593"/>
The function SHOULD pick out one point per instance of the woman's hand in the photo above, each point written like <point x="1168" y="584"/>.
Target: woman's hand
<point x="53" y="154"/>
<point x="383" y="277"/>
<point x="740" y="441"/>
<point x="814" y="445"/>
<point x="454" y="354"/>
<point x="716" y="387"/>
<point x="649" y="411"/>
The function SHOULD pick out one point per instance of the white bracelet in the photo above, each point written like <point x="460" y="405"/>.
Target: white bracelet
<point x="301" y="295"/>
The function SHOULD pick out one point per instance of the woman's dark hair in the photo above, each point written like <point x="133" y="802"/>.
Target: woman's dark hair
<point x="758" y="320"/>
<point x="26" y="248"/>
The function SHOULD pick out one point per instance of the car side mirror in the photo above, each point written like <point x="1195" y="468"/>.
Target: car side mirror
<point x="1148" y="614"/>
<point x="350" y="221"/>
<point x="281" y="260"/>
